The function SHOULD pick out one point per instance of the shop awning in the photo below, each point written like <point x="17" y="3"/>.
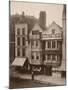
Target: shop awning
<point x="19" y="62"/>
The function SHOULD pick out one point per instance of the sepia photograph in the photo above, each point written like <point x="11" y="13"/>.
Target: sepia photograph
<point x="37" y="44"/>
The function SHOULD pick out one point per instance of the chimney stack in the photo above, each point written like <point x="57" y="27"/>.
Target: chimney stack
<point x="42" y="19"/>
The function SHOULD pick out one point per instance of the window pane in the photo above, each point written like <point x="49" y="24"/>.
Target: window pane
<point x="35" y="32"/>
<point x="32" y="43"/>
<point x="45" y="44"/>
<point x="23" y="52"/>
<point x="49" y="44"/>
<point x="37" y="57"/>
<point x="18" y="40"/>
<point x="23" y="31"/>
<point x="23" y="41"/>
<point x="45" y="57"/>
<point x="53" y="44"/>
<point x="53" y="31"/>
<point x="53" y="57"/>
<point x="18" y="51"/>
<point x="32" y="56"/>
<point x="48" y="57"/>
<point x="18" y="31"/>
<point x="36" y="43"/>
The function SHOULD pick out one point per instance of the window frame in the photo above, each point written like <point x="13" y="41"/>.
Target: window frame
<point x="49" y="57"/>
<point x="53" y="44"/>
<point x="53" y="31"/>
<point x="23" y="54"/>
<point x="23" y="30"/>
<point x="18" y="52"/>
<point x="18" y="41"/>
<point x="49" y="44"/>
<point x="53" y="57"/>
<point x="23" y="41"/>
<point x="37" y="57"/>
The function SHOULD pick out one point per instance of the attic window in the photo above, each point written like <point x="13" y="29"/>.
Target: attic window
<point x="53" y="31"/>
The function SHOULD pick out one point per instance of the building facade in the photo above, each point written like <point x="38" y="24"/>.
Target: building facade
<point x="21" y="42"/>
<point x="44" y="49"/>
<point x="52" y="47"/>
<point x="36" y="47"/>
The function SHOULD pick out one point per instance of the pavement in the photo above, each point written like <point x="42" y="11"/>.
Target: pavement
<point x="42" y="78"/>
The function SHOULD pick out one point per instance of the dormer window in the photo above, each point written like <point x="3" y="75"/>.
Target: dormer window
<point x="53" y="31"/>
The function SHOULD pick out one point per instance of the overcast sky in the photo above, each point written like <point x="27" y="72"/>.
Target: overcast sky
<point x="53" y="11"/>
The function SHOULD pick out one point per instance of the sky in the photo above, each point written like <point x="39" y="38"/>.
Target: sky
<point x="53" y="11"/>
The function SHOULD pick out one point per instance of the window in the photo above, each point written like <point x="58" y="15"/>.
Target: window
<point x="53" y="31"/>
<point x="35" y="32"/>
<point x="18" y="40"/>
<point x="48" y="57"/>
<point x="32" y="43"/>
<point x="23" y="41"/>
<point x="37" y="57"/>
<point x="23" y="52"/>
<point x="53" y="57"/>
<point x="36" y="43"/>
<point x="45" y="57"/>
<point x="57" y="57"/>
<point x="18" y="51"/>
<point x="44" y="44"/>
<point x="18" y="31"/>
<point x="57" y="44"/>
<point x="49" y="44"/>
<point x="32" y="56"/>
<point x="23" y="31"/>
<point x="53" y="44"/>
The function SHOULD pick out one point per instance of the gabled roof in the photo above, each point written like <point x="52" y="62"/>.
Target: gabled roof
<point x="54" y="23"/>
<point x="37" y="27"/>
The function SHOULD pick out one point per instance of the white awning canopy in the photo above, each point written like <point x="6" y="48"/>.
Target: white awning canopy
<point x="19" y="62"/>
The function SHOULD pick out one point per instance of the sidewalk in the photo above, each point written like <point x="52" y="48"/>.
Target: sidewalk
<point x="42" y="78"/>
<point x="50" y="79"/>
